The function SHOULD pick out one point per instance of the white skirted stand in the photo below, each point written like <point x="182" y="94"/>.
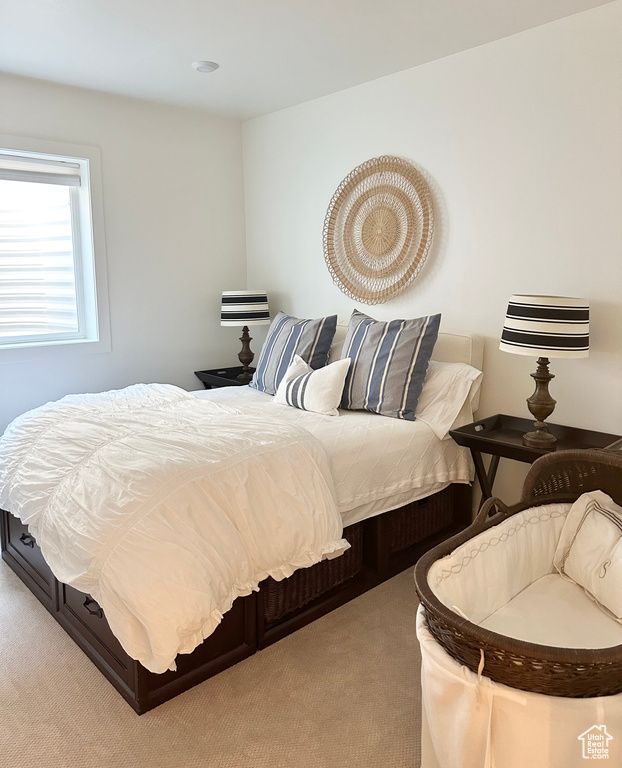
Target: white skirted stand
<point x="471" y="722"/>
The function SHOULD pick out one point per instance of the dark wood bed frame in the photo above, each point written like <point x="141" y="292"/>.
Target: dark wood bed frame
<point x="381" y="547"/>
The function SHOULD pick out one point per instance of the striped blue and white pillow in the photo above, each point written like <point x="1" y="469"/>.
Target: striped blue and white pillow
<point x="317" y="391"/>
<point x="289" y="336"/>
<point x="389" y="363"/>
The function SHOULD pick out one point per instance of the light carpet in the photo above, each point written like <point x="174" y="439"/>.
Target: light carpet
<point x="342" y="692"/>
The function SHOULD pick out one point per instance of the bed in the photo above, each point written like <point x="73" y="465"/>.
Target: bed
<point x="393" y="509"/>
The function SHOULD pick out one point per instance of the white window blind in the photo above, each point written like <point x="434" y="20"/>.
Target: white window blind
<point x="14" y="167"/>
<point x="42" y="289"/>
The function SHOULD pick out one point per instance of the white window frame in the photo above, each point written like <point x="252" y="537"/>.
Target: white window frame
<point x="89" y="258"/>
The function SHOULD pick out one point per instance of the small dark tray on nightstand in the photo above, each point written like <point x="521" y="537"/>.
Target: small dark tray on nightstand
<point x="222" y="377"/>
<point x="503" y="435"/>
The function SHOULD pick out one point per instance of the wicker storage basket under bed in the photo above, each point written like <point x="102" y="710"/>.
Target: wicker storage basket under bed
<point x="555" y="671"/>
<point x="402" y="527"/>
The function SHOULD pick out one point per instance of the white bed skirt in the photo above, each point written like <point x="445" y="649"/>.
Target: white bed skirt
<point x="471" y="724"/>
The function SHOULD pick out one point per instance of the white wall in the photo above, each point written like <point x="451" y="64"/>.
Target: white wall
<point x="521" y="140"/>
<point x="174" y="221"/>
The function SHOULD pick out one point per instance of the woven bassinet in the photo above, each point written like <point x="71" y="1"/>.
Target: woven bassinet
<point x="575" y="673"/>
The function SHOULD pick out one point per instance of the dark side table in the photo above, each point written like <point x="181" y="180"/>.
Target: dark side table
<point x="222" y="377"/>
<point x="501" y="436"/>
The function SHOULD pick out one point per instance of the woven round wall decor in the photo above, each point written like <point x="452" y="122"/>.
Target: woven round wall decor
<point x="378" y="229"/>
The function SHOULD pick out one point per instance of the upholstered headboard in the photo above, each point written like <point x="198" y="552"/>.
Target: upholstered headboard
<point x="449" y="348"/>
<point x="459" y="348"/>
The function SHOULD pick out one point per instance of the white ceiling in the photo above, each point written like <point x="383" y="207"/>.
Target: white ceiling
<point x="272" y="53"/>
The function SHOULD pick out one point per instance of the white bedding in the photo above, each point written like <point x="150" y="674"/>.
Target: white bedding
<point x="377" y="463"/>
<point x="165" y="508"/>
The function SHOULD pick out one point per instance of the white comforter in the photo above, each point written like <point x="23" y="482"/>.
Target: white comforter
<point x="165" y="508"/>
<point x="377" y="463"/>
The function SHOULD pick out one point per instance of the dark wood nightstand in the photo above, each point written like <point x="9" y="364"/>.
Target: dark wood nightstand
<point x="222" y="377"/>
<point x="502" y="437"/>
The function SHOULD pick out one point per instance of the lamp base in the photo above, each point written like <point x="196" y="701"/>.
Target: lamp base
<point x="540" y="438"/>
<point x="245" y="356"/>
<point x="541" y="405"/>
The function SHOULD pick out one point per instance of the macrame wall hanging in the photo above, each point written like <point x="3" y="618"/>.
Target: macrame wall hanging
<point x="378" y="229"/>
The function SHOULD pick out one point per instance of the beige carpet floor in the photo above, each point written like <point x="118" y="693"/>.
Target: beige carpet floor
<point x="340" y="693"/>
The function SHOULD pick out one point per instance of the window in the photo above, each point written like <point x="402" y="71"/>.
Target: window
<point x="48" y="271"/>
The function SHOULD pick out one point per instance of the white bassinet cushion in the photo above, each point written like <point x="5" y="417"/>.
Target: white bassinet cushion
<point x="589" y="551"/>
<point x="555" y="611"/>
<point x="486" y="572"/>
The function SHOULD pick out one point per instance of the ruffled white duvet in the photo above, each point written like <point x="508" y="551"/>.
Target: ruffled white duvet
<point x="165" y="508"/>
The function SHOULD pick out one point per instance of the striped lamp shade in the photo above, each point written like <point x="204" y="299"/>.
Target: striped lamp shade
<point x="547" y="326"/>
<point x="244" y="308"/>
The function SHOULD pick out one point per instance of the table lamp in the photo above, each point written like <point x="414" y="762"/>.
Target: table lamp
<point x="545" y="326"/>
<point x="244" y="308"/>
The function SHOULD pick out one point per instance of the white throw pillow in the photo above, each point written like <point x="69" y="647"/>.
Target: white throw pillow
<point x="313" y="390"/>
<point x="589" y="551"/>
<point x="447" y="395"/>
